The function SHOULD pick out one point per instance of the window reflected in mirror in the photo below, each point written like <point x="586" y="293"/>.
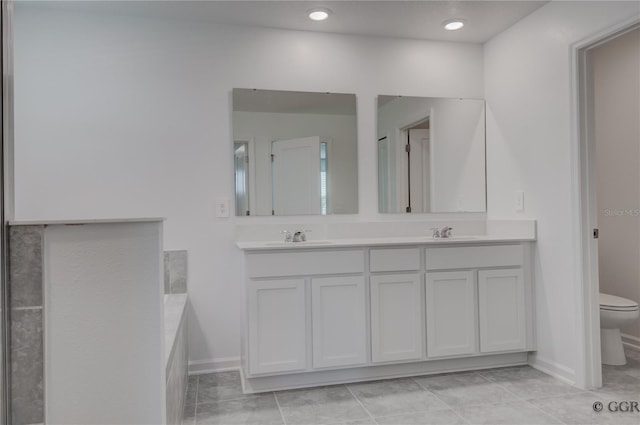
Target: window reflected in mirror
<point x="295" y="153"/>
<point x="431" y="155"/>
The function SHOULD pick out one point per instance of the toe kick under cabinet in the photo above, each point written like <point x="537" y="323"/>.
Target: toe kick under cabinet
<point x="318" y="316"/>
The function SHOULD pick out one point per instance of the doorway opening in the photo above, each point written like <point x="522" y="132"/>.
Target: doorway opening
<point x="416" y="142"/>
<point x="600" y="190"/>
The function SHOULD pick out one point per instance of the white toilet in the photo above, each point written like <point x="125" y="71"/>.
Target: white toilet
<point x="614" y="312"/>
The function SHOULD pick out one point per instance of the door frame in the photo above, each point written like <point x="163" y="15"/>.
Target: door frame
<point x="401" y="131"/>
<point x="584" y="205"/>
<point x="251" y="181"/>
<point x="6" y="202"/>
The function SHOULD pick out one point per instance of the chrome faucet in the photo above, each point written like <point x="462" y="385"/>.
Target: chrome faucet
<point x="443" y="233"/>
<point x="288" y="236"/>
<point x="300" y="235"/>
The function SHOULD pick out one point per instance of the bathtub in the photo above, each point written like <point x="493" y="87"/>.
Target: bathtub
<point x="175" y="355"/>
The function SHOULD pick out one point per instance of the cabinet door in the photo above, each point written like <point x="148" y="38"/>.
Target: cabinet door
<point x="451" y="313"/>
<point x="396" y="318"/>
<point x="277" y="337"/>
<point x="502" y="310"/>
<point x="338" y="321"/>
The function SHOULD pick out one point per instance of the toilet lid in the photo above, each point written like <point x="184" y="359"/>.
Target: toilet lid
<point x="611" y="302"/>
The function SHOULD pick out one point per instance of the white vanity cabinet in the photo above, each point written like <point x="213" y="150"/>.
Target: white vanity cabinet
<point x="338" y="321"/>
<point x="333" y="314"/>
<point x="305" y="310"/>
<point x="277" y="331"/>
<point x="397" y="319"/>
<point x="451" y="313"/>
<point x="397" y="331"/>
<point x="476" y="299"/>
<point x="502" y="310"/>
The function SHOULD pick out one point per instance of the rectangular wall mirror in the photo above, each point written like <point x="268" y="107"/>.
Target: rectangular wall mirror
<point x="295" y="153"/>
<point x="431" y="155"/>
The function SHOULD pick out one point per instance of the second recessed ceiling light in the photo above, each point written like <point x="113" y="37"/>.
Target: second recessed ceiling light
<point x="319" y="13"/>
<point x="453" y="24"/>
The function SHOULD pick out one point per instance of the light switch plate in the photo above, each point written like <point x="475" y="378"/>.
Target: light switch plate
<point x="222" y="207"/>
<point x="519" y="201"/>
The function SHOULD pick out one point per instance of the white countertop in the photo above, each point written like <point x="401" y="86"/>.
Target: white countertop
<point x="380" y="241"/>
<point x="77" y="222"/>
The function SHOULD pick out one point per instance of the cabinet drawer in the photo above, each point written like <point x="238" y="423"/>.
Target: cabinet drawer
<point x="392" y="260"/>
<point x="305" y="263"/>
<point x="474" y="257"/>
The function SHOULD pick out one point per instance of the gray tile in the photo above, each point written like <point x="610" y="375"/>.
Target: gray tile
<point x="167" y="274"/>
<point x="632" y="354"/>
<point x="189" y="415"/>
<point x="386" y="398"/>
<point x="25" y="266"/>
<point x="325" y="405"/>
<point x="577" y="409"/>
<point x="261" y="409"/>
<point x="512" y="413"/>
<point x="528" y="383"/>
<point x="219" y="386"/>
<point x="367" y="421"/>
<point x="465" y="389"/>
<point x="177" y="271"/>
<point x="618" y="383"/>
<point x="192" y="391"/>
<point x="27" y="390"/>
<point x="432" y="417"/>
<point x="632" y="368"/>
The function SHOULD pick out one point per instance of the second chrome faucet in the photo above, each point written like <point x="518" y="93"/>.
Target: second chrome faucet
<point x="297" y="236"/>
<point x="443" y="233"/>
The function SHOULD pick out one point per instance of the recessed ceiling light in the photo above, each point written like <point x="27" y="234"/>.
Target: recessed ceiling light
<point x="453" y="24"/>
<point x="319" y="14"/>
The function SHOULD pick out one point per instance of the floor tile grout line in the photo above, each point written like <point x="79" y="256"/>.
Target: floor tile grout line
<point x="284" y="420"/>
<point x="360" y="403"/>
<point x="446" y="408"/>
<point x="195" y="409"/>
<point x="517" y="398"/>
<point x="243" y="397"/>
<point x="441" y="400"/>
<point x="528" y="402"/>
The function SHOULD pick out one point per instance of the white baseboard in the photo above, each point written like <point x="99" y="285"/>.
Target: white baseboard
<point x="552" y="368"/>
<point x="631" y="341"/>
<point x="199" y="367"/>
<point x="319" y="378"/>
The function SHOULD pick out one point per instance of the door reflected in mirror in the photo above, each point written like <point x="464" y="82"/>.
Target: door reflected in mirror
<point x="295" y="153"/>
<point x="431" y="155"/>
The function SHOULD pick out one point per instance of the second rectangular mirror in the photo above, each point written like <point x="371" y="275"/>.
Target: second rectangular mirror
<point x="431" y="155"/>
<point x="295" y="153"/>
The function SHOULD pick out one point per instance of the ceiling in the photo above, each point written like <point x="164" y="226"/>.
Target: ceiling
<point x="396" y="18"/>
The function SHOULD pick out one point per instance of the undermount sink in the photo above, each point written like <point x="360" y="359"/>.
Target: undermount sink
<point x="294" y="244"/>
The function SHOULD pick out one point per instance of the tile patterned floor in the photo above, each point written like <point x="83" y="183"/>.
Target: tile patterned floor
<point x="517" y="395"/>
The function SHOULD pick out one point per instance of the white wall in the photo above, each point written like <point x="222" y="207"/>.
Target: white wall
<point x="528" y="94"/>
<point x="120" y="116"/>
<point x="616" y="94"/>
<point x="103" y="333"/>
<point x="263" y="128"/>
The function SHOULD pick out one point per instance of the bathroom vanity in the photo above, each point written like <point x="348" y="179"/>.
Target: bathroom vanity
<point x="326" y="312"/>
